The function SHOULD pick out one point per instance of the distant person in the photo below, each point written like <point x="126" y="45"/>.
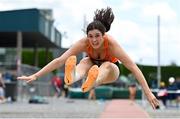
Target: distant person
<point x="2" y="92"/>
<point x="65" y="90"/>
<point x="172" y="87"/>
<point x="132" y="87"/>
<point x="57" y="85"/>
<point x="101" y="65"/>
<point x="92" y="94"/>
<point x="162" y="93"/>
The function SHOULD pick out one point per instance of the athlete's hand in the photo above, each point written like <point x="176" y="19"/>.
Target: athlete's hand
<point x="28" y="79"/>
<point x="153" y="100"/>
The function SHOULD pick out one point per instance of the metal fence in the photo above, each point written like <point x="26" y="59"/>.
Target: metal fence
<point x="16" y="89"/>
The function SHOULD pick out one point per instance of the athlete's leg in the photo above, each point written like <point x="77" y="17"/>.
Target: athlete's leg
<point x="108" y="73"/>
<point x="83" y="67"/>
<point x="74" y="73"/>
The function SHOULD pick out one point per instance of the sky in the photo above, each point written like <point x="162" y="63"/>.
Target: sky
<point x="134" y="27"/>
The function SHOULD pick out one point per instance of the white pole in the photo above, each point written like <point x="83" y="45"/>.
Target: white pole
<point x="19" y="55"/>
<point x="159" y="53"/>
<point x="85" y="23"/>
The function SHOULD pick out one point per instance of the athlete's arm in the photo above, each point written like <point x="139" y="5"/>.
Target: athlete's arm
<point x="118" y="52"/>
<point x="78" y="47"/>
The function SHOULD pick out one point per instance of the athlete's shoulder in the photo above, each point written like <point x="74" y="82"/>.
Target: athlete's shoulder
<point x="108" y="36"/>
<point x="79" y="45"/>
<point x="82" y="43"/>
<point x="111" y="39"/>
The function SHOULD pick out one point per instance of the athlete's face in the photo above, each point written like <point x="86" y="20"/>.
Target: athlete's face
<point x="95" y="38"/>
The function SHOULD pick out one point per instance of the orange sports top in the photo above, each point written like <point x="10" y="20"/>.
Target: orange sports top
<point x="108" y="56"/>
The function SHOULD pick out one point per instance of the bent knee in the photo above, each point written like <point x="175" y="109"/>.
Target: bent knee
<point x="111" y="67"/>
<point x="107" y="65"/>
<point x="85" y="60"/>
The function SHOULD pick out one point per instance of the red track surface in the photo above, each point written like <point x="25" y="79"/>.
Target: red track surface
<point x="123" y="109"/>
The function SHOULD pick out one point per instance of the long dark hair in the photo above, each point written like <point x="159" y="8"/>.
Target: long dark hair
<point x="102" y="20"/>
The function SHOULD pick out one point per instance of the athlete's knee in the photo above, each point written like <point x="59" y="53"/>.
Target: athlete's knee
<point x="85" y="60"/>
<point x="107" y="65"/>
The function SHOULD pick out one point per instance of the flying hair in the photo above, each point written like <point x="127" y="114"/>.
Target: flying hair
<point x="105" y="16"/>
